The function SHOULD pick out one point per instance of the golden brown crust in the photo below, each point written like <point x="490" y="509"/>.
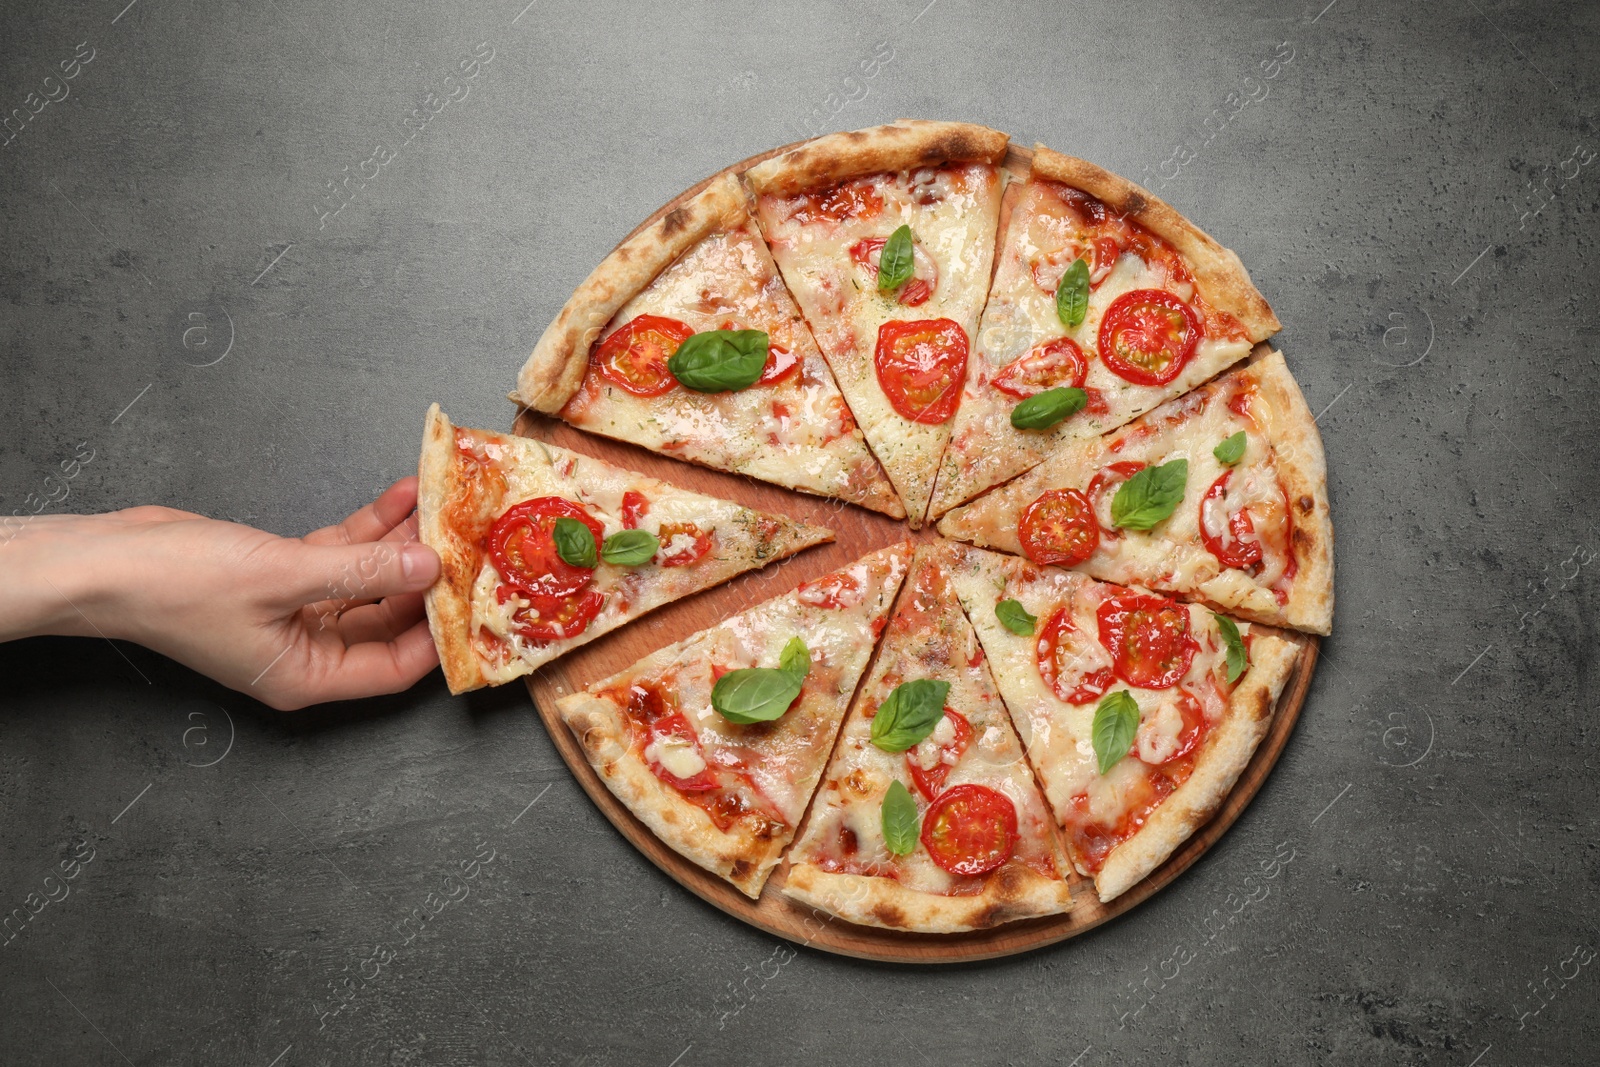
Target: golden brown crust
<point x="449" y="600"/>
<point x="1221" y="277"/>
<point x="1015" y="892"/>
<point x="1229" y="749"/>
<point x="900" y="145"/>
<point x="555" y="369"/>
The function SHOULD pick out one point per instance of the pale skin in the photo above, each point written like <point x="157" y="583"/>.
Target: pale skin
<point x="291" y="621"/>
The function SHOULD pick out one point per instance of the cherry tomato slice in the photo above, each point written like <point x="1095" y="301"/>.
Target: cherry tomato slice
<point x="635" y="355"/>
<point x="780" y="364"/>
<point x="970" y="829"/>
<point x="1106" y="252"/>
<point x="634" y="507"/>
<point x="1242" y="549"/>
<point x="833" y="592"/>
<point x="929" y="781"/>
<point x="1060" y="528"/>
<point x="921" y="367"/>
<point x="1056" y="662"/>
<point x="1148" y="335"/>
<point x="522" y="545"/>
<point x="675" y="725"/>
<point x="1194" y="725"/>
<point x="1148" y="638"/>
<point x="914" y="290"/>
<point x="557" y="618"/>
<point x="1046" y="365"/>
<point x="1106" y="477"/>
<point x="685" y="555"/>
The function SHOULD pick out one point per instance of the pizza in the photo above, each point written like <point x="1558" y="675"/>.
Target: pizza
<point x="1102" y="288"/>
<point x="928" y="818"/>
<point x="502" y="511"/>
<point x="886" y="238"/>
<point x="1219" y="496"/>
<point x="1131" y="712"/>
<point x="606" y="363"/>
<point x="716" y="742"/>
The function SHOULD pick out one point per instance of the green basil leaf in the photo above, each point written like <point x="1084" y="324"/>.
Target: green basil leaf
<point x="1014" y="617"/>
<point x="575" y="542"/>
<point x="1150" y="496"/>
<point x="719" y="361"/>
<point x="630" y="548"/>
<point x="899" y="819"/>
<point x="1116" y="721"/>
<point x="795" y="659"/>
<point x="1072" y="294"/>
<point x="909" y="714"/>
<point x="1230" y="451"/>
<point x="754" y="694"/>
<point x="1044" y="409"/>
<point x="897" y="261"/>
<point x="1238" y="657"/>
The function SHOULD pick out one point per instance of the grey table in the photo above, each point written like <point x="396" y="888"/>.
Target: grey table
<point x="232" y="282"/>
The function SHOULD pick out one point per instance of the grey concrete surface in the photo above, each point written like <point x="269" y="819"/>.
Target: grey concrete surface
<point x="1414" y="188"/>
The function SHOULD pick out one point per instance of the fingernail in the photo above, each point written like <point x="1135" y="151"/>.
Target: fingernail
<point x="413" y="558"/>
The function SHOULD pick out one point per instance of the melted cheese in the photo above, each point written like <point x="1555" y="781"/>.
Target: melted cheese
<point x="676" y="755"/>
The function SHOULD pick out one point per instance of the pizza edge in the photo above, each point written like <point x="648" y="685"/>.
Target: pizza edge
<point x="1016" y="892"/>
<point x="900" y="145"/>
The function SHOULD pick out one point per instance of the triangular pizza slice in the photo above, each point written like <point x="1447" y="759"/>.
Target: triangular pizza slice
<point x="716" y="742"/>
<point x="1138" y="713"/>
<point x="1219" y="495"/>
<point x="544" y="549"/>
<point x="928" y="818"/>
<point x="1100" y="287"/>
<point x="758" y="399"/>
<point x="886" y="237"/>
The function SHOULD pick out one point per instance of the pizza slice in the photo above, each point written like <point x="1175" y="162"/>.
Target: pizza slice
<point x="886" y="237"/>
<point x="928" y="819"/>
<point x="716" y="742"/>
<point x="1219" y="495"/>
<point x="749" y="393"/>
<point x="1102" y="288"/>
<point x="544" y="549"/>
<point x="1138" y="712"/>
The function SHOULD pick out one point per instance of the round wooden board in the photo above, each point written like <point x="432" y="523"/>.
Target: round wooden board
<point x="858" y="532"/>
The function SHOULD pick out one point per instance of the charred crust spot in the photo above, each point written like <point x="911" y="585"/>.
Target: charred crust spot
<point x="992" y="915"/>
<point x="742" y="869"/>
<point x="1134" y="204"/>
<point x="889" y="915"/>
<point x="675" y="220"/>
<point x="1306" y="504"/>
<point x="1302" y="538"/>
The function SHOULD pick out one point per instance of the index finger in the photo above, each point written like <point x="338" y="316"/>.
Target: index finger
<point x="373" y="521"/>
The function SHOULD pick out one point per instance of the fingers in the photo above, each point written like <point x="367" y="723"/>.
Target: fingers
<point x="373" y="521"/>
<point x="368" y="571"/>
<point x="374" y="668"/>
<point x="383" y="621"/>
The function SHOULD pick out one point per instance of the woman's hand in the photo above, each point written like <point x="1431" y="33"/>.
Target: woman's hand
<point x="334" y="615"/>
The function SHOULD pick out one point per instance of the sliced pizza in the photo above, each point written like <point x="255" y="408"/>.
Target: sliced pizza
<point x="928" y="818"/>
<point x="716" y="742"/>
<point x="544" y="549"/>
<point x="1107" y="302"/>
<point x="1219" y="495"/>
<point x="1138" y="713"/>
<point x="685" y="341"/>
<point x="886" y="238"/>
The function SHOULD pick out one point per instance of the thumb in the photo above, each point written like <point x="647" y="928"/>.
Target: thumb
<point x="369" y="571"/>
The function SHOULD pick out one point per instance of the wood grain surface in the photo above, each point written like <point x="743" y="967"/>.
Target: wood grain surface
<point x="857" y="532"/>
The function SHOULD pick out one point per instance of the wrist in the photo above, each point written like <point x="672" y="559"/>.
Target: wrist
<point x="56" y="578"/>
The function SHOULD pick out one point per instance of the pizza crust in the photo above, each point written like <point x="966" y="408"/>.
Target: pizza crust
<point x="900" y="145"/>
<point x="448" y="600"/>
<point x="555" y="369"/>
<point x="1193" y="803"/>
<point x="1221" y="276"/>
<point x="1015" y="892"/>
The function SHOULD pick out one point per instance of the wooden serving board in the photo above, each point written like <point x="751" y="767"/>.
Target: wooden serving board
<point x="857" y="532"/>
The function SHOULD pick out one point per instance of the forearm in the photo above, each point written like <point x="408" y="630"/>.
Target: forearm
<point x="55" y="578"/>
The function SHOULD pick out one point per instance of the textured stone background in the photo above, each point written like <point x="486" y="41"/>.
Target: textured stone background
<point x="1415" y="190"/>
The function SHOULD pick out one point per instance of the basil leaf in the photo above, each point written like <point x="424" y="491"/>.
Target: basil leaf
<point x="1230" y="451"/>
<point x="1150" y="496"/>
<point x="899" y="819"/>
<point x="754" y="694"/>
<point x="1238" y="657"/>
<point x="1044" y="409"/>
<point x="1072" y="294"/>
<point x="909" y="714"/>
<point x="795" y="659"/>
<point x="630" y="548"/>
<point x="575" y="542"/>
<point x="719" y="361"/>
<point x="1116" y="720"/>
<point x="897" y="261"/>
<point x="1014" y="617"/>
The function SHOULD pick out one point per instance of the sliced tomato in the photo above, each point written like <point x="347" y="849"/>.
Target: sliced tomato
<point x="675" y="725"/>
<point x="1105" y="478"/>
<point x="634" y="507"/>
<point x="1148" y="638"/>
<point x="635" y="355"/>
<point x="1058" y="663"/>
<point x="970" y="829"/>
<point x="522" y="545"/>
<point x="1059" y="528"/>
<point x="1241" y="549"/>
<point x="1147" y="336"/>
<point x="1106" y="253"/>
<point x="921" y="366"/>
<point x="1095" y="402"/>
<point x="683" y="557"/>
<point x="833" y="592"/>
<point x="780" y="364"/>
<point x="1056" y="362"/>
<point x="558" y="618"/>
<point x="1194" y="725"/>
<point x="929" y="781"/>
<point x="914" y="290"/>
